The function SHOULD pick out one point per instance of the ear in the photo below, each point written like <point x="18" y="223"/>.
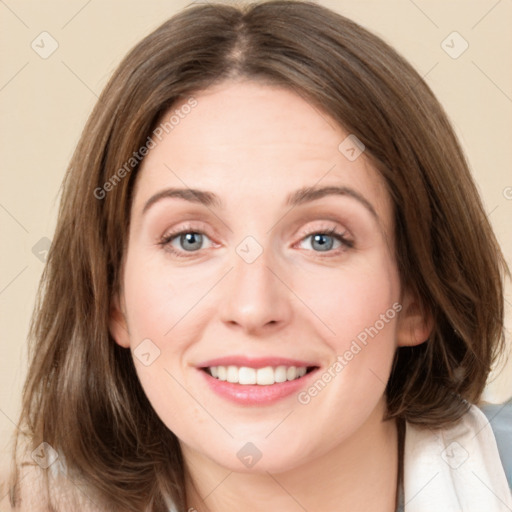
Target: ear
<point x="118" y="326"/>
<point x="415" y="324"/>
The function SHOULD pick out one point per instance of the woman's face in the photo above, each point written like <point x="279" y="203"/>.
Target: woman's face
<point x="257" y="284"/>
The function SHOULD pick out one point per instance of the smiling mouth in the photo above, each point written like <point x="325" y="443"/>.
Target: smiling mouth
<point x="265" y="376"/>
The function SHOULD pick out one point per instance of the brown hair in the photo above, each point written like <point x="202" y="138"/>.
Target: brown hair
<point x="82" y="395"/>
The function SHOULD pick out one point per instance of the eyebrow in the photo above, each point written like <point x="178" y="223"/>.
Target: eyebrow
<point x="300" y="196"/>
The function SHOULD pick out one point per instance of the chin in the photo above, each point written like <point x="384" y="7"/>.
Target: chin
<point x="259" y="455"/>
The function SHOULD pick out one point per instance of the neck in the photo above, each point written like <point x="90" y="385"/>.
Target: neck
<point x="359" y="474"/>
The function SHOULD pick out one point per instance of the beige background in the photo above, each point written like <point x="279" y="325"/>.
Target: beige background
<point x="44" y="103"/>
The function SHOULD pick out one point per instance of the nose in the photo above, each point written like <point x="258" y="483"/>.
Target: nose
<point x="256" y="298"/>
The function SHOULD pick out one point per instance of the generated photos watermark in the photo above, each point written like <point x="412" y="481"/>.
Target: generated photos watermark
<point x="360" y="341"/>
<point x="131" y="163"/>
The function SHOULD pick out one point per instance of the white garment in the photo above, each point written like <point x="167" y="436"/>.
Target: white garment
<point x="457" y="469"/>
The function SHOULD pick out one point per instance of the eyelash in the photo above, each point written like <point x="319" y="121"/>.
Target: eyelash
<point x="329" y="231"/>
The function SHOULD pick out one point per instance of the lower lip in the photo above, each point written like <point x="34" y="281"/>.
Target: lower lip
<point x="254" y="394"/>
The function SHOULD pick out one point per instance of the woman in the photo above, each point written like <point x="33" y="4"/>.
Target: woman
<point x="272" y="284"/>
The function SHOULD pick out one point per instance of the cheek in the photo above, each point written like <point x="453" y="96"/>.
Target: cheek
<point x="160" y="310"/>
<point x="159" y="299"/>
<point x="358" y="307"/>
<point x="352" y="300"/>
<point x="163" y="308"/>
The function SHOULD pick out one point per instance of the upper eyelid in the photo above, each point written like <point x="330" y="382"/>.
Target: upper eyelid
<point x="202" y="229"/>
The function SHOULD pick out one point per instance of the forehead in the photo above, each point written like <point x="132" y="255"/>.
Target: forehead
<point x="249" y="110"/>
<point x="258" y="140"/>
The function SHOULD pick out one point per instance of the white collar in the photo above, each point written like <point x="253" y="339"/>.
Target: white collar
<point x="457" y="469"/>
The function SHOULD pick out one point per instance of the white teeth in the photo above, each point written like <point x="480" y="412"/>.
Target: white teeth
<point x="245" y="376"/>
<point x="232" y="374"/>
<point x="265" y="376"/>
<point x="280" y="374"/>
<point x="262" y="376"/>
<point x="221" y="372"/>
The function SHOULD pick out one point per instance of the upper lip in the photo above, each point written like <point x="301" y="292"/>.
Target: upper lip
<point x="254" y="362"/>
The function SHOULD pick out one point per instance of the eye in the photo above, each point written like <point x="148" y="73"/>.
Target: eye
<point x="324" y="240"/>
<point x="190" y="240"/>
<point x="185" y="240"/>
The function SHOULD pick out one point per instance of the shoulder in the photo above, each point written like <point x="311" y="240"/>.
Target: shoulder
<point x="5" y="504"/>
<point x="29" y="493"/>
<point x="32" y="493"/>
<point x="499" y="417"/>
<point x="456" y="467"/>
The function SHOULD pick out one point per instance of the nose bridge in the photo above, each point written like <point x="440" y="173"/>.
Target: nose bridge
<point x="255" y="297"/>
